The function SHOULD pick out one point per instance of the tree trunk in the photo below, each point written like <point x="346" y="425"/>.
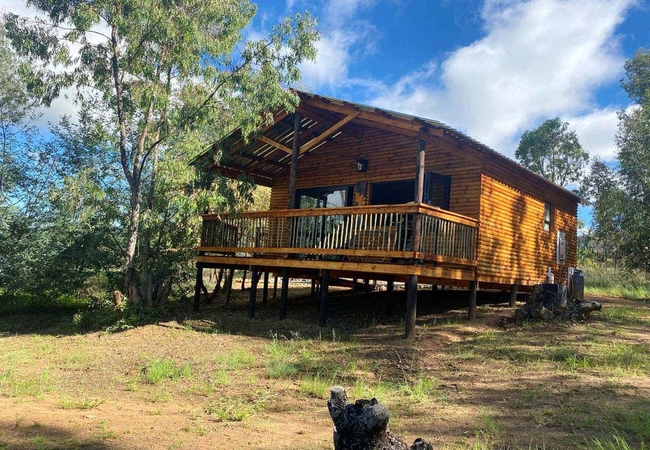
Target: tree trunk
<point x="130" y="281"/>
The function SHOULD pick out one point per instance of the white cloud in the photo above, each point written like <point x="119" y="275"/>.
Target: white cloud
<point x="538" y="59"/>
<point x="331" y="64"/>
<point x="596" y="131"/>
<point x="342" y="37"/>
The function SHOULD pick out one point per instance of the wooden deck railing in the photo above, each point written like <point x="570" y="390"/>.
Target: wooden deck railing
<point x="364" y="232"/>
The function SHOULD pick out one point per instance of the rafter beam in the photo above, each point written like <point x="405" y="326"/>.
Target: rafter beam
<point x="327" y="118"/>
<point x="280" y="115"/>
<point x="327" y="133"/>
<point x="275" y="144"/>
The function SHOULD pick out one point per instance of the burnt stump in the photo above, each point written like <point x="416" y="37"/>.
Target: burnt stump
<point x="552" y="301"/>
<point x="364" y="425"/>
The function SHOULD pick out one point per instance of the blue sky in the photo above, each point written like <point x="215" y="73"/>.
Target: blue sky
<point x="490" y="68"/>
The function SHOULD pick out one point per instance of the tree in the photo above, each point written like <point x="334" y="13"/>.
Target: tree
<point x="554" y="152"/>
<point x="155" y="76"/>
<point x="603" y="188"/>
<point x="621" y="195"/>
<point x="633" y="140"/>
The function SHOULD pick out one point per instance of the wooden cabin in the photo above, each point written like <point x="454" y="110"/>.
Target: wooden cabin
<point x="360" y="192"/>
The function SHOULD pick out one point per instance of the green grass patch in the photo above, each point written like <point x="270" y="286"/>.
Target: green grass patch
<point x="282" y="359"/>
<point x="22" y="303"/>
<point x="237" y="359"/>
<point x="614" y="282"/>
<point x="423" y="389"/>
<point x="82" y="404"/>
<point x="616" y="443"/>
<point x="159" y="370"/>
<point x="317" y="386"/>
<point x="13" y="384"/>
<point x="236" y="409"/>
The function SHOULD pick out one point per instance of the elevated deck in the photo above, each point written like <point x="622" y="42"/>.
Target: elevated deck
<point x="364" y="241"/>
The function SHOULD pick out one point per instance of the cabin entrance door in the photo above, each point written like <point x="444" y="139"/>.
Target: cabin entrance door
<point x="314" y="231"/>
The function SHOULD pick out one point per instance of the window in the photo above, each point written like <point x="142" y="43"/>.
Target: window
<point x="324" y="197"/>
<point x="392" y="192"/>
<point x="436" y="191"/>
<point x="547" y="216"/>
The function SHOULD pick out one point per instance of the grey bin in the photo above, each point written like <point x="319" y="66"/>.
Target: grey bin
<point x="578" y="288"/>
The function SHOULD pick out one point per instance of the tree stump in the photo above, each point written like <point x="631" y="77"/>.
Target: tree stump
<point x="364" y="425"/>
<point x="552" y="301"/>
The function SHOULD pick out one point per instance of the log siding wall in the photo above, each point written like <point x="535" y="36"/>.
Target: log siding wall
<point x="512" y="244"/>
<point x="391" y="157"/>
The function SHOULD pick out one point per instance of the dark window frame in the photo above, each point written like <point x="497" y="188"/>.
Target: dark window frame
<point x="548" y="216"/>
<point x="320" y="190"/>
<point x="430" y="180"/>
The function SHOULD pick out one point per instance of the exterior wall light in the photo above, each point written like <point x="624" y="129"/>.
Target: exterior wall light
<point x="362" y="165"/>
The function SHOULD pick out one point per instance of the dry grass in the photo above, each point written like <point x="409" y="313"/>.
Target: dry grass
<point x="220" y="380"/>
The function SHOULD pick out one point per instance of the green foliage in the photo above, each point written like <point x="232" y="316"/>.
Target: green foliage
<point x="553" y="151"/>
<point x="607" y="281"/>
<point x="156" y="83"/>
<point x="620" y="193"/>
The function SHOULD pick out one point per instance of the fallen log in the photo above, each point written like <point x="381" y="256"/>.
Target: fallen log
<point x="364" y="425"/>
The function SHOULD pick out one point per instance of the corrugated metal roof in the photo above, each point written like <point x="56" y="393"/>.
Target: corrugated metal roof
<point x="266" y="160"/>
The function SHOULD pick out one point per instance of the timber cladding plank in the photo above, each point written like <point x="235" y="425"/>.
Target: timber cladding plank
<point x="513" y="244"/>
<point x="391" y="157"/>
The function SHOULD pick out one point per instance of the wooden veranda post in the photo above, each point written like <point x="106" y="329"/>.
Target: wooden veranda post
<point x="255" y="276"/>
<point x="324" y="286"/>
<point x="265" y="289"/>
<point x="471" y="312"/>
<point x="197" y="286"/>
<point x="284" y="293"/>
<point x="513" y="295"/>
<point x="295" y="152"/>
<point x="412" y="284"/>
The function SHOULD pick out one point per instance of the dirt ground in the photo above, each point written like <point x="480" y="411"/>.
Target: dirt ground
<point x="493" y="385"/>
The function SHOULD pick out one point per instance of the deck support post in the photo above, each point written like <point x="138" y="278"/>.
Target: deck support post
<point x="284" y="295"/>
<point x="313" y="288"/>
<point x="255" y="276"/>
<point x="265" y="289"/>
<point x="324" y="288"/>
<point x="243" y="280"/>
<point x="471" y="313"/>
<point x="513" y="295"/>
<point x="390" y="288"/>
<point x="231" y="275"/>
<point x="411" y="306"/>
<point x="198" y="285"/>
<point x="434" y="287"/>
<point x="275" y="287"/>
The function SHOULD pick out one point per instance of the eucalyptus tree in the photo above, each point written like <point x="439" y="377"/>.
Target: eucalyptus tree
<point x="153" y="76"/>
<point x="633" y="141"/>
<point x="554" y="152"/>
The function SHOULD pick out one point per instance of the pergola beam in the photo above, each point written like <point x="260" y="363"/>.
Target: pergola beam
<point x="275" y="144"/>
<point x="327" y="133"/>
